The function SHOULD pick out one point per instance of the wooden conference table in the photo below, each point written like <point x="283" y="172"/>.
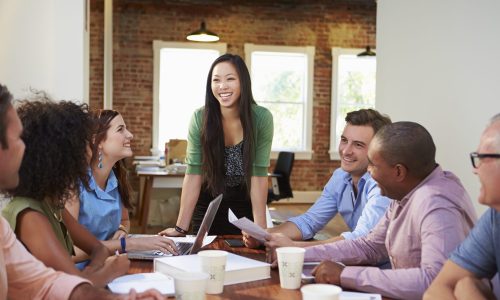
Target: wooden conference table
<point x="260" y="289"/>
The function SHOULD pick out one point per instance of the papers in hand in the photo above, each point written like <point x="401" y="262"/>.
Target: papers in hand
<point x="248" y="226"/>
<point x="142" y="282"/>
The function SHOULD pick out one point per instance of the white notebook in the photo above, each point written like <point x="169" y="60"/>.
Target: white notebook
<point x="238" y="268"/>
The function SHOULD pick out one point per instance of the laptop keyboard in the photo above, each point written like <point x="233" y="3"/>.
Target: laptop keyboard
<point x="183" y="247"/>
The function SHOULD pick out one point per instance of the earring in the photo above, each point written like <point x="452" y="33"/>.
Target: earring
<point x="99" y="164"/>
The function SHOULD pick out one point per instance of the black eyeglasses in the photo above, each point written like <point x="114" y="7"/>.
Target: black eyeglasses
<point x="475" y="157"/>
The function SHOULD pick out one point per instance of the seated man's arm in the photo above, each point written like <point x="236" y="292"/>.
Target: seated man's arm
<point x="441" y="230"/>
<point x="366" y="250"/>
<point x="28" y="277"/>
<point x="316" y="217"/>
<point x="475" y="257"/>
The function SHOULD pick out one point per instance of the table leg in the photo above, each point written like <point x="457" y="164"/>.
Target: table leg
<point x="146" y="200"/>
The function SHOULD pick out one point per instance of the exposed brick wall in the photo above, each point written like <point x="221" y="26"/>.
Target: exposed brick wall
<point x="323" y="24"/>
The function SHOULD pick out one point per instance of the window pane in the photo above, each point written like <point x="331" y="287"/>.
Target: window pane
<point x="288" y="125"/>
<point x="356" y="86"/>
<point x="279" y="82"/>
<point x="183" y="79"/>
<point x="279" y="76"/>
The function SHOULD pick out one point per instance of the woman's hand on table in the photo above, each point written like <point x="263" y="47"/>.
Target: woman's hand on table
<point x="158" y="242"/>
<point x="171" y="232"/>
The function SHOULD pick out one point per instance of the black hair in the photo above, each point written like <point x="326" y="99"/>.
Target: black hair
<point x="56" y="135"/>
<point x="212" y="136"/>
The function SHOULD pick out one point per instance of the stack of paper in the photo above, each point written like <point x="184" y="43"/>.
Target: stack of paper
<point x="238" y="268"/>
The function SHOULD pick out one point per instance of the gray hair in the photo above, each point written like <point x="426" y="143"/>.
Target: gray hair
<point x="410" y="144"/>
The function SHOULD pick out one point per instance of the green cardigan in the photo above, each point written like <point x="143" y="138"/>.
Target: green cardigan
<point x="19" y="204"/>
<point x="263" y="136"/>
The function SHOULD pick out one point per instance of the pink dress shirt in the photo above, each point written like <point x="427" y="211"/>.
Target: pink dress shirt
<point x="22" y="276"/>
<point x="417" y="234"/>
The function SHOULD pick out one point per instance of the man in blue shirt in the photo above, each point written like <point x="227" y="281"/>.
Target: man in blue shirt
<point x="477" y="259"/>
<point x="351" y="191"/>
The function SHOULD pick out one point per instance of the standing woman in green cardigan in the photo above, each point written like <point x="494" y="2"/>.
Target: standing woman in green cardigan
<point x="229" y="144"/>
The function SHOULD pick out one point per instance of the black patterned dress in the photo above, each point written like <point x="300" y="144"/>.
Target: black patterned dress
<point x="235" y="195"/>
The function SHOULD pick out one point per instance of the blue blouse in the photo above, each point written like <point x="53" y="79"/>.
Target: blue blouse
<point x="100" y="211"/>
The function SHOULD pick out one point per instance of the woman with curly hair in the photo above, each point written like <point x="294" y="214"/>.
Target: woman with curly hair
<point x="103" y="205"/>
<point x="229" y="144"/>
<point x="56" y="137"/>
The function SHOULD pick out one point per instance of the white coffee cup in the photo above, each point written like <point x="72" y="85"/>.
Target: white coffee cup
<point x="290" y="261"/>
<point x="320" y="292"/>
<point x="190" y="285"/>
<point x="213" y="262"/>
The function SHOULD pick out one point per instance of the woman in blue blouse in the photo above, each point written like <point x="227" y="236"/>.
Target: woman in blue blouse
<point x="103" y="205"/>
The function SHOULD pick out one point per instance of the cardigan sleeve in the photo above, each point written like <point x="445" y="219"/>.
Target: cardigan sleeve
<point x="264" y="131"/>
<point x="193" y="152"/>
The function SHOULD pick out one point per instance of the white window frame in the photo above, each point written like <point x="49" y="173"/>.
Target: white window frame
<point x="305" y="154"/>
<point x="157" y="46"/>
<point x="336" y="52"/>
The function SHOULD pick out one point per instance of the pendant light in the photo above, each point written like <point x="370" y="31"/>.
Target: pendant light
<point x="202" y="35"/>
<point x="368" y="52"/>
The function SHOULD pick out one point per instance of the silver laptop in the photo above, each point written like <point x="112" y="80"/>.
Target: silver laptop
<point x="185" y="248"/>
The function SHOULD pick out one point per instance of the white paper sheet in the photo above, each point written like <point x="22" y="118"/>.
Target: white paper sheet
<point x="142" y="282"/>
<point x="359" y="296"/>
<point x="248" y="226"/>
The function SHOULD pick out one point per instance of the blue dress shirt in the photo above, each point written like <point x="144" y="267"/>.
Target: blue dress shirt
<point x="360" y="213"/>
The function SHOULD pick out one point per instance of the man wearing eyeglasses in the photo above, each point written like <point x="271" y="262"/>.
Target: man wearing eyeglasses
<point x="478" y="257"/>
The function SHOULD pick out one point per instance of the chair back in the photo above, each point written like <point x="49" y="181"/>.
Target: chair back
<point x="284" y="164"/>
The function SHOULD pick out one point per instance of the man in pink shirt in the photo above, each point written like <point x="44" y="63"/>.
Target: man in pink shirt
<point x="430" y="215"/>
<point x="21" y="275"/>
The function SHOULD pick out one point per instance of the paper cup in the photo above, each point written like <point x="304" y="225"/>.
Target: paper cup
<point x="290" y="261"/>
<point x="320" y="292"/>
<point x="190" y="286"/>
<point x="213" y="262"/>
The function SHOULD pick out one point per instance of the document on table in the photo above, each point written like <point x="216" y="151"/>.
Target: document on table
<point x="142" y="282"/>
<point x="359" y="296"/>
<point x="248" y="226"/>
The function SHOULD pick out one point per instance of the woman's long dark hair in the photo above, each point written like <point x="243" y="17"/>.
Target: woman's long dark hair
<point x="212" y="135"/>
<point x="103" y="118"/>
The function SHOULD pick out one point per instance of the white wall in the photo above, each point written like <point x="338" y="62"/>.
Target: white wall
<point x="439" y="64"/>
<point x="42" y="47"/>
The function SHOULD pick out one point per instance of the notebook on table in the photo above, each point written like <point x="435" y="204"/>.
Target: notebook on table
<point x="185" y="248"/>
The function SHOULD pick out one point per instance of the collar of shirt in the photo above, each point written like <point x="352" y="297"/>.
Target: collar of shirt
<point x="347" y="178"/>
<point x="111" y="184"/>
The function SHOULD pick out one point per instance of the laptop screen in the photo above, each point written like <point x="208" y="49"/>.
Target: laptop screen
<point x="206" y="224"/>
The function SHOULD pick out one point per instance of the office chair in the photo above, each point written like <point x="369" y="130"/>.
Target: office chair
<point x="280" y="178"/>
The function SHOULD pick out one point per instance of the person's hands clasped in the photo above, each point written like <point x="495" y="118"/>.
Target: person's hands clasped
<point x="328" y="272"/>
<point x="171" y="232"/>
<point x="158" y="242"/>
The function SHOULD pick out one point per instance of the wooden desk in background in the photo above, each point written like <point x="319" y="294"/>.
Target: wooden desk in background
<point x="155" y="179"/>
<point x="260" y="289"/>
